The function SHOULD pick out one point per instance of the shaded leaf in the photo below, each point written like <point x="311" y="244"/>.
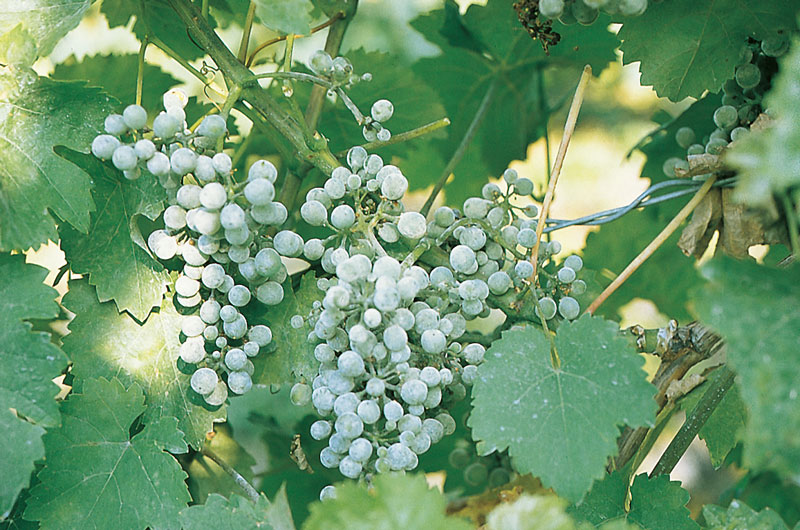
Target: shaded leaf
<point x="286" y="16"/>
<point x="655" y="504"/>
<point x="113" y="252"/>
<point x="688" y="46"/>
<point x="94" y="70"/>
<point x="105" y="343"/>
<point x="35" y="115"/>
<point x="549" y="418"/>
<point x="99" y="476"/>
<point x="396" y="501"/>
<point x="754" y="308"/>
<point x="222" y="513"/>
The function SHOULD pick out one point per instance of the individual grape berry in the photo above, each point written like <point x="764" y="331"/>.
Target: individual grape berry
<point x="574" y="262"/>
<point x="314" y="213"/>
<point x="163" y="245"/>
<point x="382" y="110"/>
<point x="213" y="196"/>
<point x="551" y="8"/>
<point x="115" y="125"/>
<point x="523" y="186"/>
<point x="212" y="126"/>
<point x="174" y="217"/>
<point x="685" y="137"/>
<point x="183" y="161"/>
<point x="569" y="308"/>
<point x="159" y="165"/>
<point x="394" y="185"/>
<point x="632" y="8"/>
<point x="288" y="244"/>
<point x="262" y="169"/>
<point x="239" y="296"/>
<point x="270" y="293"/>
<point x="499" y="283"/>
<point x="775" y="45"/>
<point x="300" y="394"/>
<point x="738" y="133"/>
<point x="716" y="146"/>
<point x="444" y="216"/>
<point x="566" y="275"/>
<point x="239" y="382"/>
<point x="583" y="13"/>
<point x="259" y="192"/>
<point x="192" y="350"/>
<point x="235" y="359"/>
<point x="204" y="381"/>
<point x="725" y="117"/>
<point x="343" y="217"/>
<point x="748" y="76"/>
<point x="548" y="307"/>
<point x="384" y="135"/>
<point x="476" y="207"/>
<point x="523" y="269"/>
<point x="232" y="217"/>
<point x="135" y="116"/>
<point x="412" y="225"/>
<point x="124" y="158"/>
<point x="104" y="145"/>
<point x="166" y="126"/>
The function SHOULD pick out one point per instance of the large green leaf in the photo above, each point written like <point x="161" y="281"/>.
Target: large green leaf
<point x="30" y="362"/>
<point x="395" y="501"/>
<point x="488" y="47"/>
<point x="153" y="17"/>
<point x="293" y="355"/>
<point x="35" y="115"/>
<point x="286" y="16"/>
<point x="755" y="309"/>
<point x="45" y="20"/>
<point x="722" y="431"/>
<point x="548" y="417"/>
<point x="740" y="515"/>
<point x="98" y="475"/>
<point x="606" y="249"/>
<point x="767" y="160"/>
<point x="113" y="252"/>
<point x="105" y="343"/>
<point x="94" y="70"/>
<point x="689" y="46"/>
<point x="656" y="503"/>
<point x="219" y="512"/>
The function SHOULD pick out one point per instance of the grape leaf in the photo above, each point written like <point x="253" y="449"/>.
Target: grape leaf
<point x="207" y="477"/>
<point x="286" y="16"/>
<point x="155" y="18"/>
<point x="219" y="512"/>
<point x="94" y="70"/>
<point x="293" y="354"/>
<point x="396" y="501"/>
<point x="740" y="515"/>
<point x="722" y="430"/>
<point x="656" y="503"/>
<point x="548" y="417"/>
<point x="531" y="512"/>
<point x="113" y="252"/>
<point x="30" y="362"/>
<point x="47" y="21"/>
<point x="105" y="343"/>
<point x="488" y="47"/>
<point x="767" y="159"/>
<point x="99" y="476"/>
<point x="605" y="249"/>
<point x="762" y="348"/>
<point x="36" y="114"/>
<point x="688" y="46"/>
<point x="17" y="47"/>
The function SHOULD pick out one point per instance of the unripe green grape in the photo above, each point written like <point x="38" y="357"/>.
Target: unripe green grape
<point x="343" y="217"/>
<point x="259" y="191"/>
<point x="523" y="269"/>
<point x="235" y="359"/>
<point x="313" y="249"/>
<point x="462" y="259"/>
<point x="583" y="13"/>
<point x="632" y="8"/>
<point x="232" y="217"/>
<point x="115" y="124"/>
<point x="260" y="334"/>
<point x="159" y="165"/>
<point x="685" y="136"/>
<point x="212" y="126"/>
<point x="166" y="126"/>
<point x="270" y="293"/>
<point x="412" y="225"/>
<point x="578" y="287"/>
<point x="186" y="286"/>
<point x="566" y="275"/>
<point x="300" y="394"/>
<point x="384" y="135"/>
<point x="499" y="283"/>
<point x="523" y="186"/>
<point x="239" y="295"/>
<point x="725" y="117"/>
<point x="174" y="217"/>
<point x="476" y="474"/>
<point x="739" y="132"/>
<point x="188" y="196"/>
<point x="193" y="350"/>
<point x="394" y="186"/>
<point x="444" y="216"/>
<point x="124" y="158"/>
<point x="209" y="311"/>
<point x="548" y="307"/>
<point x="239" y="382"/>
<point x="204" y="381"/>
<point x="321" y="63"/>
<point x="314" y="213"/>
<point x="551" y="8"/>
<point x="104" y="145"/>
<point x="356" y="157"/>
<point x="696" y="149"/>
<point x="273" y="213"/>
<point x="569" y="308"/>
<point x="716" y="147"/>
<point x="748" y="76"/>
<point x="135" y="116"/>
<point x="382" y="110"/>
<point x="213" y="196"/>
<point x="262" y="169"/>
<point x="476" y="208"/>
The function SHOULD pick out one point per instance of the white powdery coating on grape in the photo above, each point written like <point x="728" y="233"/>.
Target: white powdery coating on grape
<point x="382" y="110"/>
<point x="259" y="192"/>
<point x="213" y="196"/>
<point x="343" y="217"/>
<point x="204" y="381"/>
<point x="412" y="225"/>
<point x="462" y="258"/>
<point x="239" y="382"/>
<point x="104" y="145"/>
<point x="193" y="350"/>
<point x="394" y="185"/>
<point x="262" y="169"/>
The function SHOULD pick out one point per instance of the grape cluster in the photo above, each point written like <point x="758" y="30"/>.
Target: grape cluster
<point x="494" y="469"/>
<point x="338" y="72"/>
<point x="741" y="102"/>
<point x="586" y="11"/>
<point x="216" y="227"/>
<point x="390" y="332"/>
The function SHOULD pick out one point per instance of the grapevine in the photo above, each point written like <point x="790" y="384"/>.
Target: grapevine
<point x="320" y="271"/>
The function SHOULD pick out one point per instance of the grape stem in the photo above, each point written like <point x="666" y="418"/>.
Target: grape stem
<point x="403" y="137"/>
<point x="237" y="477"/>
<point x="248" y="28"/>
<point x="462" y="147"/>
<point x="140" y="72"/>
<point x="569" y="129"/>
<point x="276" y="40"/>
<point x="654" y="245"/>
<point x="694" y="422"/>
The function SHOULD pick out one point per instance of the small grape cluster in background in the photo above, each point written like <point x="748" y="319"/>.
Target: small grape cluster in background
<point x="390" y="332"/>
<point x="493" y="469"/>
<point x="586" y="11"/>
<point x="216" y="226"/>
<point x="741" y="102"/>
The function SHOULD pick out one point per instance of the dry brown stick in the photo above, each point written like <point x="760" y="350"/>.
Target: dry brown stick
<point x="569" y="129"/>
<point x="650" y="249"/>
